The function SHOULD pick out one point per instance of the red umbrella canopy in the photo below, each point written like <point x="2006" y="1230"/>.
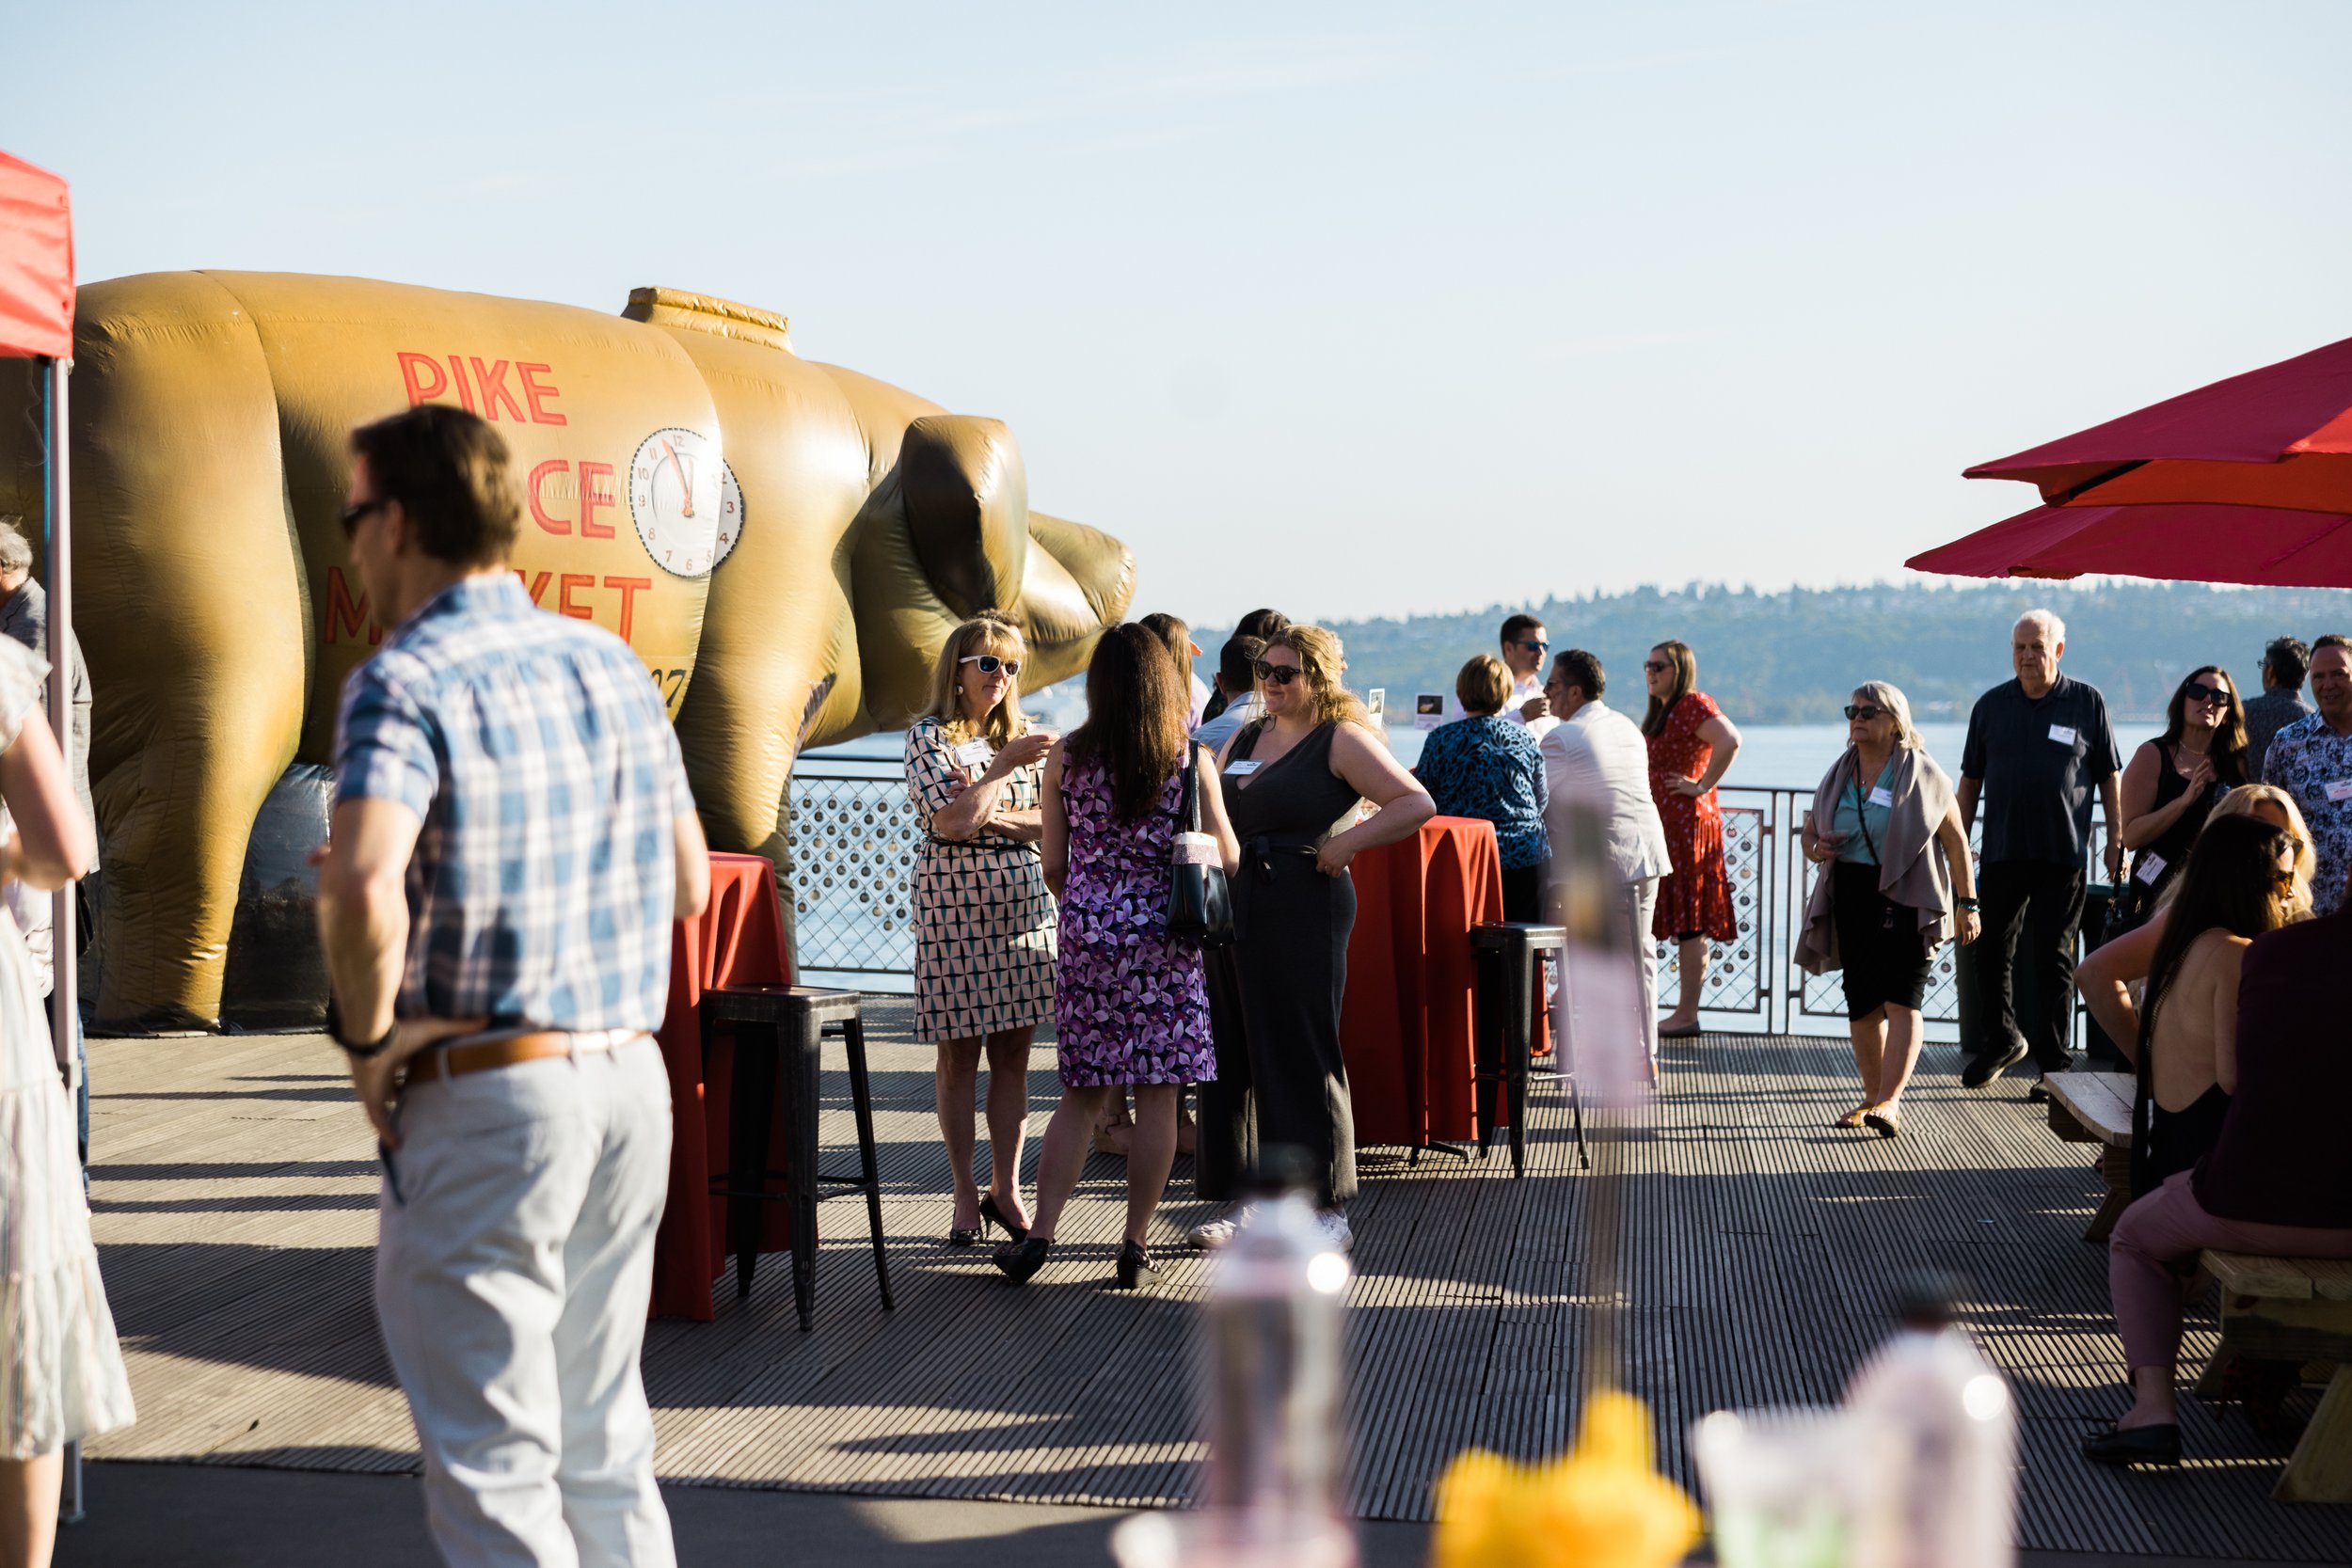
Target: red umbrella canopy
<point x="2277" y="437"/>
<point x="36" y="263"/>
<point x="2267" y="546"/>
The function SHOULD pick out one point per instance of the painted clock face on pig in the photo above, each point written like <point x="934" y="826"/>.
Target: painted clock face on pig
<point x="686" y="502"/>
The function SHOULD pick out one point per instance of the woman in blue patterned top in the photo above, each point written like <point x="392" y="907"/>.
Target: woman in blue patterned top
<point x="1487" y="766"/>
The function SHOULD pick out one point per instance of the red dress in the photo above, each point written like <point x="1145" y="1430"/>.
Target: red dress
<point x="1696" y="896"/>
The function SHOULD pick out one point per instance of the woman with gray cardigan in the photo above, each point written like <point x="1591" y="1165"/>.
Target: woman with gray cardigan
<point x="1893" y="851"/>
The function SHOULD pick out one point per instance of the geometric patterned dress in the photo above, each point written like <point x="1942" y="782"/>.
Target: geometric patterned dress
<point x="984" y="924"/>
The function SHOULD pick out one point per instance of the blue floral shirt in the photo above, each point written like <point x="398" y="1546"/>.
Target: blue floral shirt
<point x="1489" y="768"/>
<point x="2313" y="762"/>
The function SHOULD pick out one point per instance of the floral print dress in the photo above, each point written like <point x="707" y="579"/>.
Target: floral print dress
<point x="1130" y="1005"/>
<point x="1697" y="895"/>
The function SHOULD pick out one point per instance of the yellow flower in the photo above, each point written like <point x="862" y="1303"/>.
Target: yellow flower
<point x="1599" y="1506"/>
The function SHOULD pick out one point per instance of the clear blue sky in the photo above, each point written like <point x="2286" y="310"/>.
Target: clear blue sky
<point x="1353" y="310"/>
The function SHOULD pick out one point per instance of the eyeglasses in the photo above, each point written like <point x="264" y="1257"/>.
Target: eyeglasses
<point x="1280" y="674"/>
<point x="1536" y="645"/>
<point x="2198" y="692"/>
<point x="990" y="664"/>
<point x="352" y="516"/>
<point x="1863" y="711"/>
<point x="1656" y="668"/>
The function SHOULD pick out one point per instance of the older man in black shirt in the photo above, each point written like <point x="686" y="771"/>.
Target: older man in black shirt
<point x="2036" y="746"/>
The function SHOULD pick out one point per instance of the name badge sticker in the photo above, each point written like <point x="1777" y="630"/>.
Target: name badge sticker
<point x="972" y="753"/>
<point x="1882" y="796"/>
<point x="2339" y="790"/>
<point x="2151" y="867"/>
<point x="2063" y="734"/>
<point x="1241" y="768"/>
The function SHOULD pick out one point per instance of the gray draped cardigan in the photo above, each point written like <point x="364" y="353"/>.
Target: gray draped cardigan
<point x="1911" y="870"/>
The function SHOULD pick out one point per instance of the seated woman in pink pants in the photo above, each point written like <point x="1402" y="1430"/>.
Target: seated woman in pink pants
<point x="2277" y="1182"/>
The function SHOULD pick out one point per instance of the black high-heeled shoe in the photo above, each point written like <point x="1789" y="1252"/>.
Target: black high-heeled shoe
<point x="1018" y="1260"/>
<point x="1136" y="1272"/>
<point x="991" y="1215"/>
<point x="961" y="1237"/>
<point x="2121" y="1446"/>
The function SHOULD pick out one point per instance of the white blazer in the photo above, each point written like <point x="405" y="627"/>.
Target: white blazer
<point x="1599" y="759"/>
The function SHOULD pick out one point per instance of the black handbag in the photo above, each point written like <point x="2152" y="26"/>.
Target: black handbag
<point x="1199" y="901"/>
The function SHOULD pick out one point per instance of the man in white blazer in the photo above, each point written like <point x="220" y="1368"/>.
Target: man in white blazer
<point x="1597" y="759"/>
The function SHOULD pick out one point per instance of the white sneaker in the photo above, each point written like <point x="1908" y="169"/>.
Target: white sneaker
<point x="1218" y="1228"/>
<point x="1335" y="1230"/>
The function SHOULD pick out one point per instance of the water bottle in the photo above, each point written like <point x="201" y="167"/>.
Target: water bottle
<point x="1939" y="1430"/>
<point x="1275" y="1425"/>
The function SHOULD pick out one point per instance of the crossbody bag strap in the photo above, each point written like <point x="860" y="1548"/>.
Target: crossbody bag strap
<point x="1860" y="819"/>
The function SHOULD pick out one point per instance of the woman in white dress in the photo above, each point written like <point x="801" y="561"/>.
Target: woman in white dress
<point x="61" y="1375"/>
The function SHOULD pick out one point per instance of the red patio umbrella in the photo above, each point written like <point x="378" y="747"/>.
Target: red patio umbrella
<point x="2268" y="546"/>
<point x="2280" y="437"/>
<point x="36" y="263"/>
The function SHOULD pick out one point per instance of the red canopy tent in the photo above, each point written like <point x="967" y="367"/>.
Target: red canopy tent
<point x="37" y="321"/>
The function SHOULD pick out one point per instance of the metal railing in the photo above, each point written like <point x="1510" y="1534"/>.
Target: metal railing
<point x="853" y="842"/>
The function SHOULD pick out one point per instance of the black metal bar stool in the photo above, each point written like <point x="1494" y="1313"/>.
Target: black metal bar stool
<point x="1510" y="959"/>
<point x="779" y="1042"/>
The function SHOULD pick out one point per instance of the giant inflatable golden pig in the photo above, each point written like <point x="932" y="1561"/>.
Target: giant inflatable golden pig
<point x="785" y="544"/>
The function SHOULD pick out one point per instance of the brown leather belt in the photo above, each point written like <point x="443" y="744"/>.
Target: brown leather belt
<point x="456" y="1061"/>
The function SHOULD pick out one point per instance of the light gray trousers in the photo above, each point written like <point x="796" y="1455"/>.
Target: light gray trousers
<point x="514" y="1265"/>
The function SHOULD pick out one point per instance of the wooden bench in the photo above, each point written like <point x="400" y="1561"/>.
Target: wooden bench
<point x="2096" y="1108"/>
<point x="2300" y="1311"/>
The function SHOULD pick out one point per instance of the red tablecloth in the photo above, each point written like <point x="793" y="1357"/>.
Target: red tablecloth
<point x="1408" y="1019"/>
<point x="739" y="940"/>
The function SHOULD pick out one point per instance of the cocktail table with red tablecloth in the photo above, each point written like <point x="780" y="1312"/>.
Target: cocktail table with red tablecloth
<point x="1408" y="1019"/>
<point x="737" y="941"/>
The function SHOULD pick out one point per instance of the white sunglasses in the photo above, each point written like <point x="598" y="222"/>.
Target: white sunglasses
<point x="990" y="664"/>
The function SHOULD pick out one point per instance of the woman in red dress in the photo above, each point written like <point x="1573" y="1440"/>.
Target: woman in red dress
<point x="1691" y="747"/>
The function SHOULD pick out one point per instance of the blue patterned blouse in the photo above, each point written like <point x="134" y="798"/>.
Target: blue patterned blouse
<point x="1489" y="768"/>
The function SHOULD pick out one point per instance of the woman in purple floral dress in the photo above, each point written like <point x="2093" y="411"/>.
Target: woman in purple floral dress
<point x="1130" y="1007"/>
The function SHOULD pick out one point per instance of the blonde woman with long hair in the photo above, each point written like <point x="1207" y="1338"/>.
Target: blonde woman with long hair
<point x="1293" y="782"/>
<point x="1690" y="747"/>
<point x="984" y="923"/>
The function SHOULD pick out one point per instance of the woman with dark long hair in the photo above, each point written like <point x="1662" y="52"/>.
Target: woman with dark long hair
<point x="2174" y="781"/>
<point x="1690" y="747"/>
<point x="2238" y="884"/>
<point x="1130" y="1007"/>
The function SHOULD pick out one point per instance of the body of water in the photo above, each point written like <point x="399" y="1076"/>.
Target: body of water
<point x="1776" y="756"/>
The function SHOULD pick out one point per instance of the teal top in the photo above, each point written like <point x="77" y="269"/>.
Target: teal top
<point x="1871" y="814"/>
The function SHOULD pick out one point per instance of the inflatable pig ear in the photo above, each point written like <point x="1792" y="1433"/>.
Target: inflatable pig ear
<point x="948" y="533"/>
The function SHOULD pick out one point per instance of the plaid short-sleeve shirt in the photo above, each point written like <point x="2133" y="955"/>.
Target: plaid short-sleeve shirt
<point x="536" y="753"/>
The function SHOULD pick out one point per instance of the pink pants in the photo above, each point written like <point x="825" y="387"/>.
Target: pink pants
<point x="2170" y="1226"/>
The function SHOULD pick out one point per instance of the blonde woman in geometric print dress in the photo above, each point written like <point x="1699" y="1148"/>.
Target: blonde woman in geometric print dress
<point x="983" y="921"/>
<point x="61" y="1375"/>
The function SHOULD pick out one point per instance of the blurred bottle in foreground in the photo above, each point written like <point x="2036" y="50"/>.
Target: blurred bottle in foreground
<point x="1939" y="1432"/>
<point x="1275" y="1422"/>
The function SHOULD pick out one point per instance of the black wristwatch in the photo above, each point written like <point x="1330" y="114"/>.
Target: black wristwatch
<point x="371" y="1048"/>
<point x="1964" y="903"/>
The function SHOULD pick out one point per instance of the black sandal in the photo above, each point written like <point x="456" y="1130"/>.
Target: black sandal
<point x="1136" y="1272"/>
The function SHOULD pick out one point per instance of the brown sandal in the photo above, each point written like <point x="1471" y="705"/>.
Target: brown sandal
<point x="1885" y="1120"/>
<point x="1852" y="1117"/>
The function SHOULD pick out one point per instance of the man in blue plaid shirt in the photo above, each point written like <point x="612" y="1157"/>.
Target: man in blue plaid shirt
<point x="512" y="837"/>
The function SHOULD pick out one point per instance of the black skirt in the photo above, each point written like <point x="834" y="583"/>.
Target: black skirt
<point x="1879" y="942"/>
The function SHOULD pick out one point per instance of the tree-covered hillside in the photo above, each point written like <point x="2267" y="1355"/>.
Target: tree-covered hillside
<point x="1793" y="657"/>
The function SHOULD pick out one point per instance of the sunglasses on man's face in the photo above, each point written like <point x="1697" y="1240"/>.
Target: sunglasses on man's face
<point x="2198" y="692"/>
<point x="990" y="664"/>
<point x="1280" y="674"/>
<point x="1863" y="711"/>
<point x="357" y="513"/>
<point x="1536" y="645"/>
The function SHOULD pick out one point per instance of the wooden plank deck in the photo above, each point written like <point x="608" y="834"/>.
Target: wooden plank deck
<point x="234" y="1204"/>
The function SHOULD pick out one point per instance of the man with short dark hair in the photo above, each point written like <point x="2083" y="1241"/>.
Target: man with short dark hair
<point x="1237" y="689"/>
<point x="512" y="837"/>
<point x="1597" y="780"/>
<point x="2285" y="664"/>
<point x="2312" y="760"/>
<point x="2037" y="747"/>
<point x="1524" y="644"/>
